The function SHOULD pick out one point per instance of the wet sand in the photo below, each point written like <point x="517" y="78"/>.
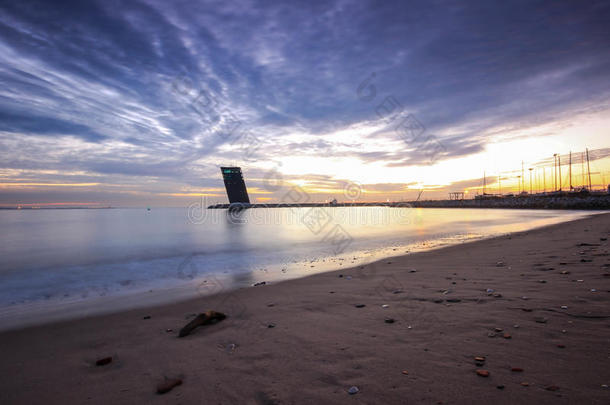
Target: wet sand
<point x="309" y="340"/>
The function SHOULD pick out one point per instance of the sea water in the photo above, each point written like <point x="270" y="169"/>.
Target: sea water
<point x="58" y="263"/>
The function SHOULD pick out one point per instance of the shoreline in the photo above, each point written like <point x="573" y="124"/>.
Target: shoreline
<point x="39" y="312"/>
<point x="321" y="344"/>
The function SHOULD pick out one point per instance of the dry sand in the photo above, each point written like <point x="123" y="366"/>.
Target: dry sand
<point x="322" y="344"/>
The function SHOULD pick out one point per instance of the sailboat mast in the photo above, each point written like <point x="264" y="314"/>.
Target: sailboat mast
<point x="588" y="168"/>
<point x="570" y="170"/>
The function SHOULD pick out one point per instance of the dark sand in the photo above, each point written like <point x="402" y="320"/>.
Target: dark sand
<point x="322" y="344"/>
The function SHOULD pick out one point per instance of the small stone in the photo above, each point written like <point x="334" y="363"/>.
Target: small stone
<point x="479" y="358"/>
<point x="490" y="290"/>
<point x="146" y="317"/>
<point x="564" y="331"/>
<point x="498" y="330"/>
<point x="604" y="385"/>
<point x="482" y="373"/>
<point x="360" y="305"/>
<point x="353" y="390"/>
<point x="564" y="307"/>
<point x="516" y="326"/>
<point x="500" y="264"/>
<point x="525" y="298"/>
<point x="405" y="372"/>
<point x="593" y="290"/>
<point x="385" y="306"/>
<point x="491" y="334"/>
<point x="438" y="301"/>
<point x="552" y="388"/>
<point x="271" y="304"/>
<point x="260" y="283"/>
<point x="454" y="300"/>
<point x="525" y="384"/>
<point x="507" y="336"/>
<point x="516" y="369"/>
<point x="500" y="387"/>
<point x="169" y="330"/>
<point x="540" y="319"/>
<point x="104" y="361"/>
<point x="497" y="295"/>
<point x="565" y="272"/>
<point x="412" y="271"/>
<point x="271" y="325"/>
<point x="389" y="320"/>
<point x="168" y="385"/>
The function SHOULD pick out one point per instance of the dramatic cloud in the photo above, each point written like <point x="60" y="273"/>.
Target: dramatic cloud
<point x="147" y="98"/>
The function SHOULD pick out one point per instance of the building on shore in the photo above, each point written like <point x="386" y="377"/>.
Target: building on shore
<point x="235" y="185"/>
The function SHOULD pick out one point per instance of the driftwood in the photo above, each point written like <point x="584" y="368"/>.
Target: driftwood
<point x="206" y="318"/>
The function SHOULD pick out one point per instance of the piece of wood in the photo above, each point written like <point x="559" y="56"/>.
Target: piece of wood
<point x="206" y="318"/>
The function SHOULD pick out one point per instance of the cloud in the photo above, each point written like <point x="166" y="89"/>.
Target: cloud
<point x="94" y="84"/>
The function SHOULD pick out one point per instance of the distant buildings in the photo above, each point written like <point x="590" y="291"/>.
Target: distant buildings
<point x="235" y="185"/>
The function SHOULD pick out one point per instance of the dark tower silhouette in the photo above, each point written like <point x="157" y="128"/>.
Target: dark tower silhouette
<point x="235" y="185"/>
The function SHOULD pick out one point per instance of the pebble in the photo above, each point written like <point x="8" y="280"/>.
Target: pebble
<point x="565" y="272"/>
<point x="525" y="384"/>
<point x="507" y="336"/>
<point x="564" y="307"/>
<point x="168" y="385"/>
<point x="389" y="320"/>
<point x="271" y="325"/>
<point x="500" y="387"/>
<point x="454" y="300"/>
<point x="405" y="372"/>
<point x="412" y="271"/>
<point x="540" y="319"/>
<point x="491" y="334"/>
<point x="525" y="298"/>
<point x="479" y="358"/>
<point x="516" y="326"/>
<point x="516" y="369"/>
<point x="593" y="290"/>
<point x="260" y="283"/>
<point x="490" y="290"/>
<point x="498" y="330"/>
<point x="552" y="388"/>
<point x="360" y="305"/>
<point x="353" y="390"/>
<point x="482" y="373"/>
<point x="604" y="385"/>
<point x="385" y="306"/>
<point x="104" y="361"/>
<point x="146" y="317"/>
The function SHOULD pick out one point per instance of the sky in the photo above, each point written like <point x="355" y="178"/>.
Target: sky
<point x="139" y="103"/>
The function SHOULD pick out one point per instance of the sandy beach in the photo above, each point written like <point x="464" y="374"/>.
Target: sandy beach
<point x="534" y="306"/>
